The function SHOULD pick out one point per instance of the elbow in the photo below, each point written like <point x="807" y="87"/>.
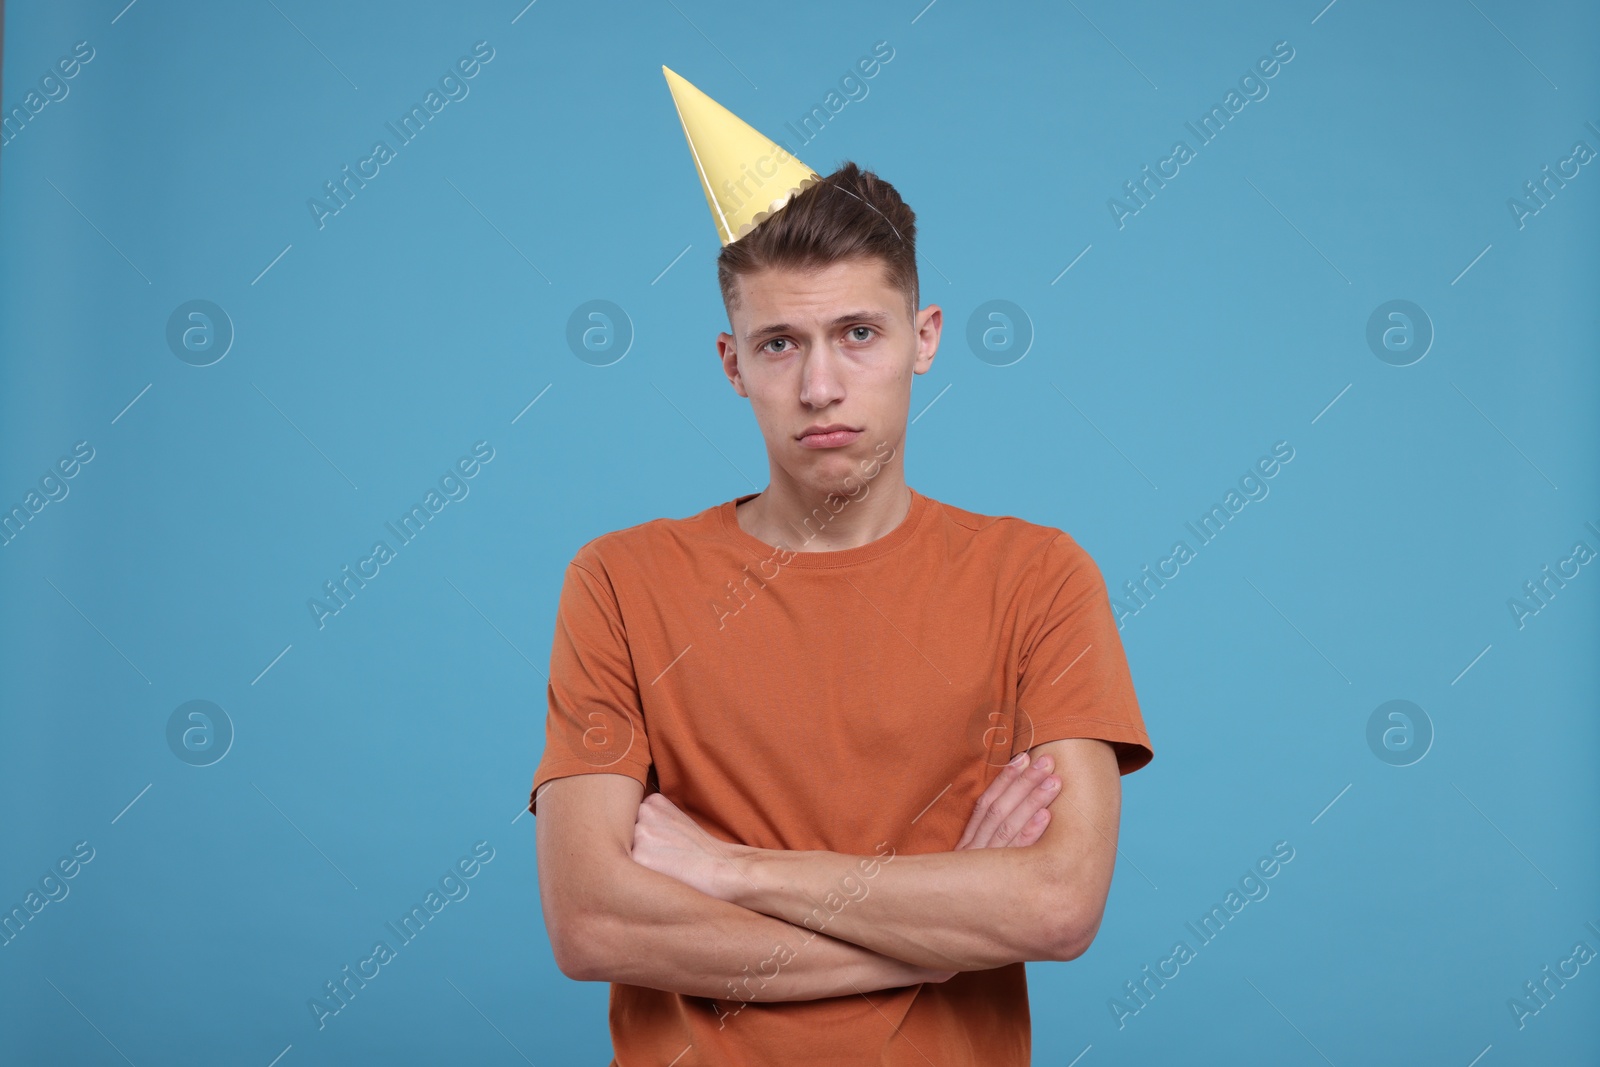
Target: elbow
<point x="1067" y="908"/>
<point x="574" y="950"/>
<point x="1058" y="941"/>
<point x="571" y="961"/>
<point x="1072" y="942"/>
<point x="1068" y="928"/>
<point x="576" y="967"/>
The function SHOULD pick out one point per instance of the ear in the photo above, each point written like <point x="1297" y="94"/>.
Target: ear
<point x="729" y="355"/>
<point x="930" y="323"/>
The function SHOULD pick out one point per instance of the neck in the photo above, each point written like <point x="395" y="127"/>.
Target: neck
<point x="807" y="518"/>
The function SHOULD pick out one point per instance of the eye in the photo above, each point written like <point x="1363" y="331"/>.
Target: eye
<point x="775" y="341"/>
<point x="869" y="329"/>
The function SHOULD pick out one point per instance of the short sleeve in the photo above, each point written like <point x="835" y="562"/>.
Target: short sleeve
<point x="594" y="723"/>
<point x="1074" y="679"/>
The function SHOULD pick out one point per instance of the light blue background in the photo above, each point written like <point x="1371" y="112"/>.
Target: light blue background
<point x="1225" y="316"/>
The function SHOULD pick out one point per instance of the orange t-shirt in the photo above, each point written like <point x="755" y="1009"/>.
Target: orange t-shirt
<point x="840" y="700"/>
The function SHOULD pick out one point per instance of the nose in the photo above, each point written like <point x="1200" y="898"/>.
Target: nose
<point x="820" y="380"/>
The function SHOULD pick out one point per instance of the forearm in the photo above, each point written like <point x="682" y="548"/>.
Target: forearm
<point x="953" y="911"/>
<point x="649" y="930"/>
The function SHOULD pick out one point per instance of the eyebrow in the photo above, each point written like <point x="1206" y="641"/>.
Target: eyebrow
<point x="876" y="318"/>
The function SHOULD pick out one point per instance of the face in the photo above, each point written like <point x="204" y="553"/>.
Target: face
<point x="831" y="347"/>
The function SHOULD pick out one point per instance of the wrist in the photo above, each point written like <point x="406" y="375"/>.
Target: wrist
<point x="773" y="882"/>
<point x="741" y="873"/>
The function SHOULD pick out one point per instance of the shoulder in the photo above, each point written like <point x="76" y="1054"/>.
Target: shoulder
<point x="1039" y="549"/>
<point x="646" y="543"/>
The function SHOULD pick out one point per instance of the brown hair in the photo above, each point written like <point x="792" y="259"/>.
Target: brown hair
<point x="850" y="214"/>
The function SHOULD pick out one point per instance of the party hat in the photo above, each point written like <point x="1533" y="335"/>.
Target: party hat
<point x="745" y="175"/>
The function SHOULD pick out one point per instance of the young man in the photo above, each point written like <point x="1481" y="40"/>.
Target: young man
<point x="777" y="807"/>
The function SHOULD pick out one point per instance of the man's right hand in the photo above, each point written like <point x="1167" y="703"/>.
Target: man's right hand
<point x="1014" y="810"/>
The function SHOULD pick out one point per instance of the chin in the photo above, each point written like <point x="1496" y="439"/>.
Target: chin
<point x="832" y="463"/>
<point x="842" y="476"/>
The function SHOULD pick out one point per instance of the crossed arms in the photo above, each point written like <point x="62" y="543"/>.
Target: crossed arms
<point x="635" y="892"/>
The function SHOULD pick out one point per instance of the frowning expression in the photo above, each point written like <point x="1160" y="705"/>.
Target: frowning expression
<point x="826" y="358"/>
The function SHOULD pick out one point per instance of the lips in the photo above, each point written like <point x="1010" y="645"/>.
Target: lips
<point x="831" y="436"/>
<point x="829" y="428"/>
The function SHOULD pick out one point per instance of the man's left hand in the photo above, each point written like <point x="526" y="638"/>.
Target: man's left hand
<point x="668" y="841"/>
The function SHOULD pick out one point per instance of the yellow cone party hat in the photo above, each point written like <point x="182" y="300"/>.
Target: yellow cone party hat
<point x="746" y="176"/>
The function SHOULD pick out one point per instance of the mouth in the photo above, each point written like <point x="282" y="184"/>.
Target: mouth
<point x="830" y="436"/>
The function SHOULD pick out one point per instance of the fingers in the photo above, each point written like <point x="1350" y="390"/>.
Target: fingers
<point x="1029" y="803"/>
<point x="657" y="801"/>
<point x="1016" y="795"/>
<point x="661" y="822"/>
<point x="1031" y="830"/>
<point x="1008" y="774"/>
